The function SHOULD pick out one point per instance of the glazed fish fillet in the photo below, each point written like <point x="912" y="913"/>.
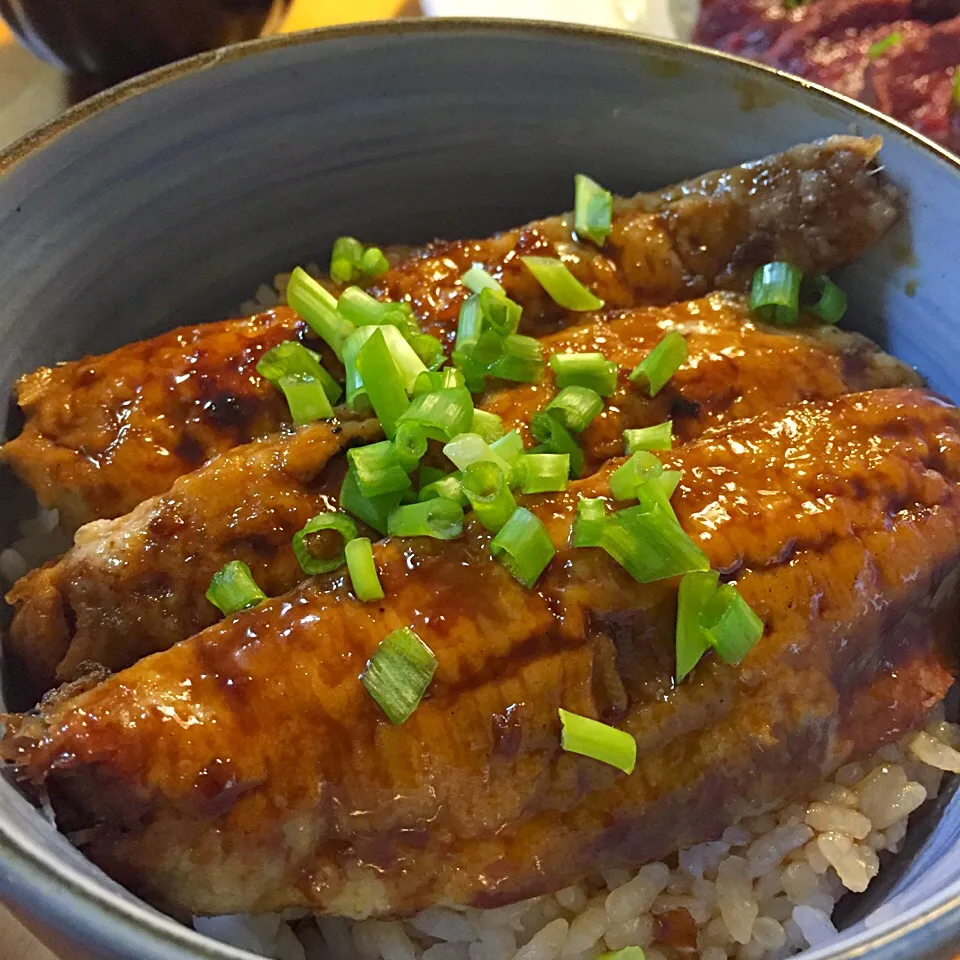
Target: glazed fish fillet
<point x="247" y="769"/>
<point x="104" y="433"/>
<point x="135" y="585"/>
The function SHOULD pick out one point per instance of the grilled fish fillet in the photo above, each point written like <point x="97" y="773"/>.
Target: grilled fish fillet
<point x="135" y="585"/>
<point x="106" y="432"/>
<point x="247" y="769"/>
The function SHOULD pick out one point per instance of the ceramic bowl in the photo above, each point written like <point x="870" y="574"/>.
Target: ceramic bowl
<point x="118" y="38"/>
<point x="169" y="199"/>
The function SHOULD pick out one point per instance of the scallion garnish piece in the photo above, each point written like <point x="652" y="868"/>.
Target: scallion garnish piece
<point x="431" y="380"/>
<point x="542" y="472"/>
<point x="319" y="308"/>
<point x="233" y="588"/>
<point x="362" y="310"/>
<point x="575" y="407"/>
<point x="362" y="570"/>
<point x="657" y="489"/>
<point x="695" y="590"/>
<point x="311" y="562"/>
<point x="441" y="414"/>
<point x="659" y="437"/>
<point x="378" y="471"/>
<point x="523" y="546"/>
<point x="350" y="261"/>
<point x="588" y="523"/>
<point x="593" y="210"/>
<point x="500" y="313"/>
<point x="823" y="298"/>
<point x="439" y="517"/>
<point x="447" y="486"/>
<point x="554" y="437"/>
<point x="383" y="383"/>
<point x="410" y="445"/>
<point x="878" y="49"/>
<point x="521" y="360"/>
<point x="477" y="279"/>
<point x="599" y="741"/>
<point x="561" y="285"/>
<point x="373" y="511"/>
<point x="775" y="293"/>
<point x="404" y="356"/>
<point x="509" y="447"/>
<point x="469" y="328"/>
<point x="650" y="544"/>
<point x="486" y="488"/>
<point x="468" y="448"/>
<point x="398" y="674"/>
<point x="635" y="953"/>
<point x="306" y="385"/>
<point x="642" y="466"/>
<point x="661" y="363"/>
<point x="487" y="425"/>
<point x="429" y="349"/>
<point x="591" y="370"/>
<point x="730" y="626"/>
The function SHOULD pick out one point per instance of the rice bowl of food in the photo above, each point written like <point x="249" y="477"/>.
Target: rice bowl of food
<point x="576" y="589"/>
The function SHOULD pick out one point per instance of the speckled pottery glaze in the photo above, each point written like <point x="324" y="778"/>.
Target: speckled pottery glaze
<point x="167" y="200"/>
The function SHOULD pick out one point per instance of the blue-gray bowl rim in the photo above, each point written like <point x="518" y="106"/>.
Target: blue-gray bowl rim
<point x="147" y="934"/>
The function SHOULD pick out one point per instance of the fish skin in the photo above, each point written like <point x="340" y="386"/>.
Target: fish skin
<point x="134" y="585"/>
<point x="104" y="433"/>
<point x="247" y="769"/>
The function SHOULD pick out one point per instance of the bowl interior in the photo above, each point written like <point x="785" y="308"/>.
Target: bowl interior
<point x="172" y="198"/>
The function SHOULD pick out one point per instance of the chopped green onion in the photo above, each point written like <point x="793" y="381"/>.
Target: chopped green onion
<point x="306" y="385"/>
<point x="562" y="286"/>
<point x="542" y="472"/>
<point x="398" y="674"/>
<point x="362" y="310"/>
<point x="439" y="517"/>
<point x="775" y="293"/>
<point x="233" y="588"/>
<point x="659" y="437"/>
<point x="636" y="953"/>
<point x="404" y="356"/>
<point x="442" y="414"/>
<point x="410" y="445"/>
<point x="477" y="279"/>
<point x="656" y="490"/>
<point x="429" y="349"/>
<point x="349" y="261"/>
<point x="469" y="328"/>
<point x="591" y="370"/>
<point x="661" y="363"/>
<point x="428" y="474"/>
<point x="447" y="486"/>
<point x="431" y="380"/>
<point x="555" y="438"/>
<point x="310" y="562"/>
<point x="356" y="392"/>
<point x="593" y="211"/>
<point x="509" y="447"/>
<point x="591" y="738"/>
<point x="500" y="313"/>
<point x="523" y="546"/>
<point x="521" y="360"/>
<point x="730" y="626"/>
<point x="467" y="448"/>
<point x="373" y="511"/>
<point x="650" y="544"/>
<point x="588" y="523"/>
<point x="822" y="297"/>
<point x="487" y="425"/>
<point x="486" y="489"/>
<point x="383" y="382"/>
<point x="695" y="590"/>
<point x="575" y="407"/>
<point x="478" y="359"/>
<point x="876" y="50"/>
<point x="640" y="467"/>
<point x="318" y="307"/>
<point x="378" y="470"/>
<point x="362" y="570"/>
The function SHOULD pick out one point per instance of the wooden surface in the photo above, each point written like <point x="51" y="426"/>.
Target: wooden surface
<point x="32" y="92"/>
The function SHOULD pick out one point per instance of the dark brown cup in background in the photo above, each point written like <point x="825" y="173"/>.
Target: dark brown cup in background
<point x="114" y="39"/>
